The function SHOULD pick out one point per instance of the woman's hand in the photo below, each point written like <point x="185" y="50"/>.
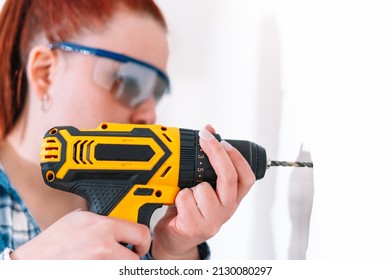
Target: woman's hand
<point x="84" y="235"/>
<point x="199" y="212"/>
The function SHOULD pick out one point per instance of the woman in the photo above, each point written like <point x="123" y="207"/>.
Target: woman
<point x="73" y="63"/>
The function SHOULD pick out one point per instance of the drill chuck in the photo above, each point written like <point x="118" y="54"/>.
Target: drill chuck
<point x="195" y="166"/>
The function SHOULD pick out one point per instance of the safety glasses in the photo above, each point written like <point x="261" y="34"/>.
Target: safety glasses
<point x="130" y="80"/>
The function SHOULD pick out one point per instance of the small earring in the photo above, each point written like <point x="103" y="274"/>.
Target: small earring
<point x="45" y="102"/>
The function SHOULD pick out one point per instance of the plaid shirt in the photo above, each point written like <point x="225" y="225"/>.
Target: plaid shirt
<point x="17" y="226"/>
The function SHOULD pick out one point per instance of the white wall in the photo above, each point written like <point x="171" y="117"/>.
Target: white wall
<point x="304" y="79"/>
<point x="346" y="66"/>
<point x="233" y="66"/>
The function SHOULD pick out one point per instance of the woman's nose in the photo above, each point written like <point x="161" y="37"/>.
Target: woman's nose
<point x="144" y="113"/>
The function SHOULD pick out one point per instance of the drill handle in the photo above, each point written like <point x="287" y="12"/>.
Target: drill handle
<point x="101" y="197"/>
<point x="135" y="203"/>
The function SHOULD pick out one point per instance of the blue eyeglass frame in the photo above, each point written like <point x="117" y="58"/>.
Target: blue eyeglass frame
<point x="72" y="47"/>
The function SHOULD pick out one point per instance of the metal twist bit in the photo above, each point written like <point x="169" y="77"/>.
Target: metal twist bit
<point x="290" y="163"/>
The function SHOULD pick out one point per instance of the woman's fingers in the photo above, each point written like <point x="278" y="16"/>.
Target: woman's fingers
<point x="85" y="235"/>
<point x="223" y="167"/>
<point x="246" y="177"/>
<point x="131" y="233"/>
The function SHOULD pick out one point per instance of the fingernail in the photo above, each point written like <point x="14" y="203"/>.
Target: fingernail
<point x="227" y="146"/>
<point x="206" y="135"/>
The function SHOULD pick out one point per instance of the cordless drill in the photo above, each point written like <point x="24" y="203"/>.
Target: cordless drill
<point x="128" y="171"/>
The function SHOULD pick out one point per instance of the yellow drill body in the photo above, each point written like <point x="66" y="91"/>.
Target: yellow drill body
<point x="127" y="171"/>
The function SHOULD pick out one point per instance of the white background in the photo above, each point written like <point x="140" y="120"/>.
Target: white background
<point x="226" y="67"/>
<point x="304" y="79"/>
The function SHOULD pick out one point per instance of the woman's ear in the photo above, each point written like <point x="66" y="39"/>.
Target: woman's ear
<point x="40" y="69"/>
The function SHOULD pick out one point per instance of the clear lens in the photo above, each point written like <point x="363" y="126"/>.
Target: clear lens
<point x="104" y="72"/>
<point x="131" y="83"/>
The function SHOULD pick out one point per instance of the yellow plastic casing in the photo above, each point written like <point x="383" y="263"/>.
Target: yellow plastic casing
<point x="75" y="152"/>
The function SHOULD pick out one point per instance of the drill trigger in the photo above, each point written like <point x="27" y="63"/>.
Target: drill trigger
<point x="146" y="211"/>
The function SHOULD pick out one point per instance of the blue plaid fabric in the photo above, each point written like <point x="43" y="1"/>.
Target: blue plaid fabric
<point x="17" y="226"/>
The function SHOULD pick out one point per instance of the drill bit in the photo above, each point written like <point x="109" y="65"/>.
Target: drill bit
<point x="290" y="163"/>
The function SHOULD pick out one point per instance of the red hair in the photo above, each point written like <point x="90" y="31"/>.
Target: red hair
<point x="22" y="21"/>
